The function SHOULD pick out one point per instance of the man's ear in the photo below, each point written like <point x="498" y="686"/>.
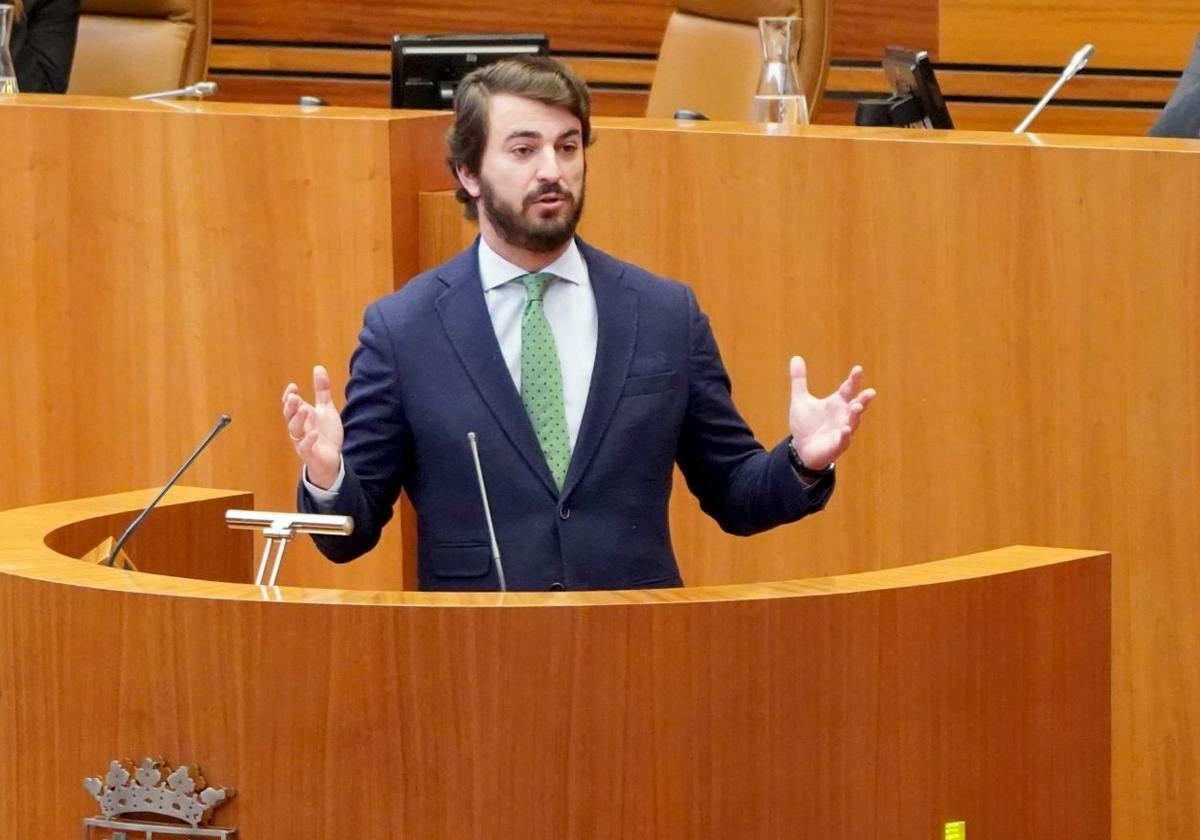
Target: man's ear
<point x="468" y="180"/>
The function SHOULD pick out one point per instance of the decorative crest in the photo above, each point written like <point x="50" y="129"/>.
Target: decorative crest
<point x="154" y="788"/>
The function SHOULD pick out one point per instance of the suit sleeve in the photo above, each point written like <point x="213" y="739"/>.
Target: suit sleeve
<point x="377" y="451"/>
<point x="44" y="61"/>
<point x="744" y="487"/>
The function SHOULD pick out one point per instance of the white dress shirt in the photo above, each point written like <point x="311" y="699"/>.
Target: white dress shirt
<point x="570" y="307"/>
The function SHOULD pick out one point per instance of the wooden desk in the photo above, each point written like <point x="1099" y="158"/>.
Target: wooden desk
<point x="1026" y="307"/>
<point x="871" y="705"/>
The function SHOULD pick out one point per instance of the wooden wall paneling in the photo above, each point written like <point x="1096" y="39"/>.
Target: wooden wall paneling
<point x="1006" y="295"/>
<point x="282" y="73"/>
<point x="624" y="26"/>
<point x="862" y="28"/>
<point x="1056" y="119"/>
<point x="287" y="90"/>
<point x="1028" y="85"/>
<point x="1127" y="33"/>
<point x="293" y="58"/>
<point x="1061" y="119"/>
<point x="143" y="306"/>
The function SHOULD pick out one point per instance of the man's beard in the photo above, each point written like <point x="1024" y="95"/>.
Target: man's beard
<point x="532" y="234"/>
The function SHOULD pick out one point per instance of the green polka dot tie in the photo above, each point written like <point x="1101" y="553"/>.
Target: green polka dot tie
<point x="541" y="378"/>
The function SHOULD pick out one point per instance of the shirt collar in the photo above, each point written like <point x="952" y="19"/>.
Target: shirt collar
<point x="495" y="271"/>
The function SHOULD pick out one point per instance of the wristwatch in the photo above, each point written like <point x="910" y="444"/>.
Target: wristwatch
<point x="802" y="470"/>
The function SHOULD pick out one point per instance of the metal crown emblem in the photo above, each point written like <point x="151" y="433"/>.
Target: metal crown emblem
<point x="154" y="788"/>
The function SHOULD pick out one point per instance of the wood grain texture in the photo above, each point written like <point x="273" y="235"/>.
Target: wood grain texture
<point x="377" y="94"/>
<point x="280" y="90"/>
<point x="361" y="61"/>
<point x="1024" y="85"/>
<point x="974" y="688"/>
<point x="1064" y="119"/>
<point x="1056" y="119"/>
<point x="623" y="26"/>
<point x="862" y="28"/>
<point x="994" y="321"/>
<point x="140" y="306"/>
<point x="1127" y="33"/>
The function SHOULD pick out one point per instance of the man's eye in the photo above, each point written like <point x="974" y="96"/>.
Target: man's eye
<point x="522" y="151"/>
<point x="569" y="148"/>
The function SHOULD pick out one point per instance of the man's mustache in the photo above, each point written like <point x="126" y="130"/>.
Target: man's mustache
<point x="548" y="189"/>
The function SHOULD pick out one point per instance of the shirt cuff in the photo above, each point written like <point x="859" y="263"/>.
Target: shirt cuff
<point x="324" y="499"/>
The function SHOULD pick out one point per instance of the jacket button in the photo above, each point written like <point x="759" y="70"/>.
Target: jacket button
<point x="564" y="512"/>
<point x="557" y="587"/>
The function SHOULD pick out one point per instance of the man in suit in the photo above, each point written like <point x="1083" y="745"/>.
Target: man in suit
<point x="584" y="378"/>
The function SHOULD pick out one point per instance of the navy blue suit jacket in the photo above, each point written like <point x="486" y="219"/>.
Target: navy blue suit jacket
<point x="428" y="370"/>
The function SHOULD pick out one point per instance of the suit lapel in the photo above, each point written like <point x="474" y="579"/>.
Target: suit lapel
<point x="616" y="317"/>
<point x="468" y="325"/>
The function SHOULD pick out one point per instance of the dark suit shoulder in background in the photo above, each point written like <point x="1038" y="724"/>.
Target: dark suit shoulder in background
<point x="43" y="45"/>
<point x="1181" y="117"/>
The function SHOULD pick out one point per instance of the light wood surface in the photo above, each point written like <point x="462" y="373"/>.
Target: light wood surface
<point x="174" y="262"/>
<point x="1155" y="35"/>
<point x="1025" y="306"/>
<point x="883" y="704"/>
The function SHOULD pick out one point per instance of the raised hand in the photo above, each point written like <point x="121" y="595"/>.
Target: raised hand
<point x="822" y="428"/>
<point x="315" y="429"/>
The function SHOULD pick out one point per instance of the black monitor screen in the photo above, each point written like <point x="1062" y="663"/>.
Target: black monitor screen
<point x="910" y="73"/>
<point x="426" y="69"/>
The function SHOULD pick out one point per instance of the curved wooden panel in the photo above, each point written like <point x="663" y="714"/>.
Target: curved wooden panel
<point x="1127" y="33"/>
<point x="884" y="704"/>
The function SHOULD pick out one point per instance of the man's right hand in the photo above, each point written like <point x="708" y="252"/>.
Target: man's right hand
<point x="315" y="429"/>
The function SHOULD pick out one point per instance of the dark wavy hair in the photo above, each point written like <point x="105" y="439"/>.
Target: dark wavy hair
<point x="530" y="76"/>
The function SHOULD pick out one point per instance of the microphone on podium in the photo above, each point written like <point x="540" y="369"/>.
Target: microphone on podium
<point x="196" y="91"/>
<point x="487" y="511"/>
<point x="116" y="550"/>
<point x="1077" y="63"/>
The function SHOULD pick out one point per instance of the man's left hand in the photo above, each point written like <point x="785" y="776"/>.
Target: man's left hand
<point x="822" y="428"/>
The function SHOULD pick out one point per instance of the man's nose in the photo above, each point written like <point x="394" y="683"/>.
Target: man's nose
<point x="548" y="168"/>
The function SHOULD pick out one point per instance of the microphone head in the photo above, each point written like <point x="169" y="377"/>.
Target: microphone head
<point x="1080" y="59"/>
<point x="225" y="420"/>
<point x="204" y="88"/>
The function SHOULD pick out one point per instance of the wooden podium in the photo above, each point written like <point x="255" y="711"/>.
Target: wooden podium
<point x="882" y="704"/>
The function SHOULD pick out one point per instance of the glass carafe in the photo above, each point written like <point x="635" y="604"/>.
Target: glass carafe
<point x="8" y="72"/>
<point x="780" y="99"/>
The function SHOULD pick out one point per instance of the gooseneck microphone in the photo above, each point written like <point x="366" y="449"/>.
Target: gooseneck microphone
<point x="221" y="424"/>
<point x="487" y="511"/>
<point x="1077" y="63"/>
<point x="197" y="91"/>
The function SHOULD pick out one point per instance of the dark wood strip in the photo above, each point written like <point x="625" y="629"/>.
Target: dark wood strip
<point x="1020" y="85"/>
<point x="862" y="28"/>
<point x="319" y="61"/>
<point x="606" y="26"/>
<point x="376" y="93"/>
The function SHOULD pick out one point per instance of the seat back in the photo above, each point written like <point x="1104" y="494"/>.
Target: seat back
<point x="129" y="47"/>
<point x="711" y="56"/>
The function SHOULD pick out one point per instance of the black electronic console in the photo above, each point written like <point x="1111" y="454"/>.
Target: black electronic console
<point x="916" y="100"/>
<point x="426" y="69"/>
